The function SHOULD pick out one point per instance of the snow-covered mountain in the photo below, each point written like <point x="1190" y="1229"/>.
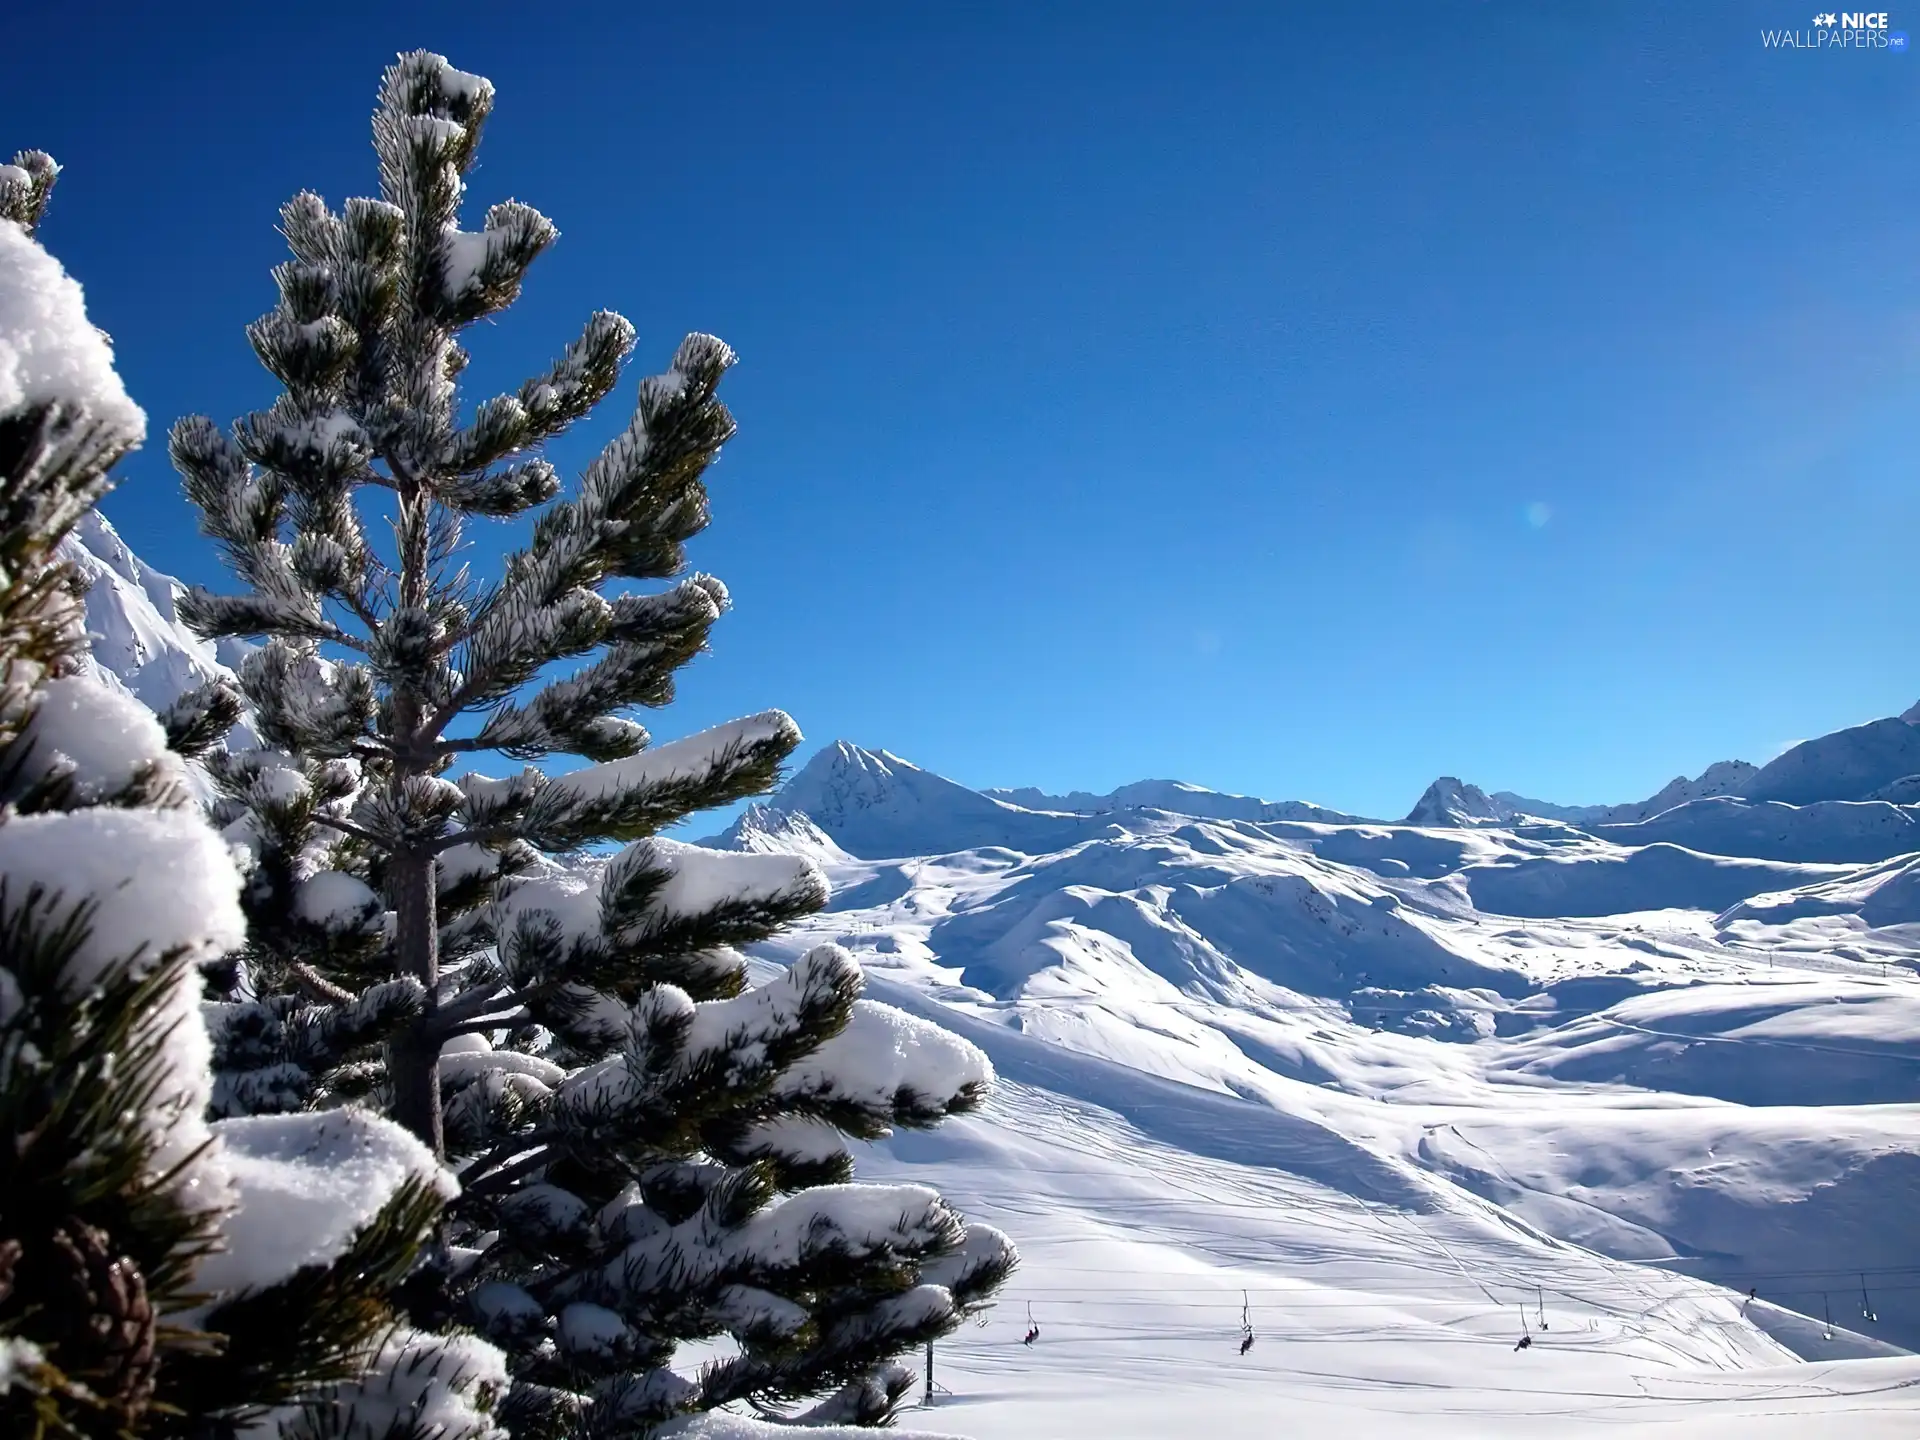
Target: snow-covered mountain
<point x="137" y="641"/>
<point x="1390" y="1091"/>
<point x="1849" y="764"/>
<point x="1723" y="777"/>
<point x="871" y="803"/>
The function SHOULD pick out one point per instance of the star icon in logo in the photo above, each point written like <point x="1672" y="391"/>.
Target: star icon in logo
<point x="1828" y="18"/>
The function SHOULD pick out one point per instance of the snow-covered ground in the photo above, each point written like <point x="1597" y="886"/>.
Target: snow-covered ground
<point x="1373" y="1316"/>
<point x="1406" y="1092"/>
<point x="1395" y="1093"/>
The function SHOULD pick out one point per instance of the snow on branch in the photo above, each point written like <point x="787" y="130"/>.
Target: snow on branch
<point x="101" y="741"/>
<point x="25" y="185"/>
<point x="154" y="882"/>
<point x="306" y="1185"/>
<point x="133" y="888"/>
<point x="50" y="355"/>
<point x="685" y="882"/>
<point x="337" y="903"/>
<point x="641" y="794"/>
<point x="546" y="404"/>
<point x="976" y="1268"/>
<point x="892" y="1064"/>
<point x="420" y="1385"/>
<point x="481" y="272"/>
<point x="859" y="1221"/>
<point x="694" y="758"/>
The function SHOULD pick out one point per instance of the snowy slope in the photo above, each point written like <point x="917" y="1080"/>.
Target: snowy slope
<point x="1824" y="830"/>
<point x="136" y="634"/>
<point x="1875" y="897"/>
<point x="1154" y="1218"/>
<point x="1612" y="880"/>
<point x="1612" y="1055"/>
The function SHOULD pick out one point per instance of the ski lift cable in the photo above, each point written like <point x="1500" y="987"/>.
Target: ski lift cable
<point x="1592" y="1294"/>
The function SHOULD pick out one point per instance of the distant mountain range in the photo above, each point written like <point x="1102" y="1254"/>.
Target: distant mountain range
<point x="1723" y="777"/>
<point x="1176" y="797"/>
<point x="1839" y="799"/>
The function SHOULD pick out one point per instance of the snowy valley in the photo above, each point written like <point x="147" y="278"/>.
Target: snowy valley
<point x="1638" y="1082"/>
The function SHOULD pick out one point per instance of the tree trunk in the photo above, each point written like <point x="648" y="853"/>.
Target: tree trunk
<point x="413" y="1060"/>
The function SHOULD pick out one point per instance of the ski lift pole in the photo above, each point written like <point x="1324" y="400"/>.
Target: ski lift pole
<point x="1526" y="1330"/>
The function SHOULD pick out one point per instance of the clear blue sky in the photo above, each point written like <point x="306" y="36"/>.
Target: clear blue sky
<point x="1148" y="390"/>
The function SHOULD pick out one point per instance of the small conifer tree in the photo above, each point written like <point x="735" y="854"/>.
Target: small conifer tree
<point x="649" y="1151"/>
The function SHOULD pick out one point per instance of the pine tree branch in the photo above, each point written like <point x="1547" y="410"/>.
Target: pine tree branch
<point x="479" y="1001"/>
<point x="319" y="987"/>
<point x="346" y="638"/>
<point x="347" y="827"/>
<point x="466" y="745"/>
<point x="360" y="609"/>
<point x="446" y="714"/>
<point x="543" y="1155"/>
<point x="484" y="835"/>
<point x="478" y="1011"/>
<point x="507" y="1020"/>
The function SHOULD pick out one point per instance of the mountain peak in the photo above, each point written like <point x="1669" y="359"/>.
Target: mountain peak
<point x="764" y="830"/>
<point x="873" y="804"/>
<point x="1450" y="801"/>
<point x="844" y="777"/>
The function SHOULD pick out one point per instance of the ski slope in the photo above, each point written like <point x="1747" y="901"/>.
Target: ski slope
<point x="1369" y="1316"/>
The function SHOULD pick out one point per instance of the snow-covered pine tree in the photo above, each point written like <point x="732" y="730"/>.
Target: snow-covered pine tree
<point x="650" y="1152"/>
<point x="158" y="1276"/>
